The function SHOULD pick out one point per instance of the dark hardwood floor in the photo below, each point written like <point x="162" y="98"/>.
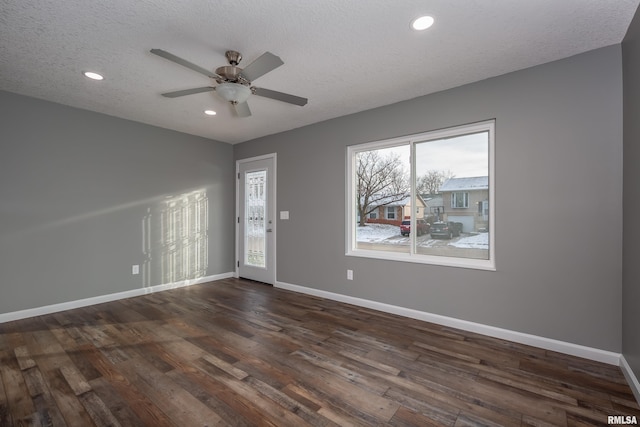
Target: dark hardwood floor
<point x="239" y="353"/>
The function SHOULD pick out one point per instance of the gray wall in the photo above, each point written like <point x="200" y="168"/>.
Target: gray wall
<point x="631" y="247"/>
<point x="558" y="203"/>
<point x="75" y="189"/>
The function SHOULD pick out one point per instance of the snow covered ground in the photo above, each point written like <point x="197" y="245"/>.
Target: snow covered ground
<point x="479" y="241"/>
<point x="390" y="234"/>
<point x="373" y="233"/>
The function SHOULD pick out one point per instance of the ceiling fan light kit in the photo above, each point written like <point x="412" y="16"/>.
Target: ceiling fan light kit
<point x="233" y="82"/>
<point x="233" y="92"/>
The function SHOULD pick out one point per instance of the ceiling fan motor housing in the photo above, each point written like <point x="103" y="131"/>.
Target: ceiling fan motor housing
<point x="231" y="73"/>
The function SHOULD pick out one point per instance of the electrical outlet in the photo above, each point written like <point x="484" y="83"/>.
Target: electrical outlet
<point x="135" y="269"/>
<point x="349" y="274"/>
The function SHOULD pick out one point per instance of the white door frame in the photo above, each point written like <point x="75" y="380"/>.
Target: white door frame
<point x="272" y="210"/>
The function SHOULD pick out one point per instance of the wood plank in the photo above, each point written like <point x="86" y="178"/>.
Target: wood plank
<point x="19" y="404"/>
<point x="47" y="412"/>
<point x="24" y="359"/>
<point x="288" y="403"/>
<point x="127" y="390"/>
<point x="405" y="417"/>
<point x="335" y="366"/>
<point x="209" y="392"/>
<point x="98" y="411"/>
<point x="370" y="362"/>
<point x="36" y="384"/>
<point x="118" y="407"/>
<point x="227" y="367"/>
<point x="434" y="412"/>
<point x="75" y="379"/>
<point x="4" y="402"/>
<point x="49" y="357"/>
<point x="270" y="412"/>
<point x="182" y="407"/>
<point x="349" y="397"/>
<point x="449" y="398"/>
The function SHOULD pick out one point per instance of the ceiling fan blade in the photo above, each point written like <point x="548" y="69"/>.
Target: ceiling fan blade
<point x="261" y="66"/>
<point x="171" y="57"/>
<point x="242" y="109"/>
<point x="280" y="96"/>
<point x="187" y="92"/>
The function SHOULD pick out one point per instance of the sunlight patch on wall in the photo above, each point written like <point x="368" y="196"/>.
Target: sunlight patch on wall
<point x="180" y="245"/>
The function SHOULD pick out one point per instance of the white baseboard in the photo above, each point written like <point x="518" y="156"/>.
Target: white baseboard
<point x="54" y="308"/>
<point x="604" y="356"/>
<point x="631" y="378"/>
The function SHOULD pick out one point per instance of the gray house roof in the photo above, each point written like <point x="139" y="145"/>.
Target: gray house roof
<point x="466" y="184"/>
<point x="433" y="201"/>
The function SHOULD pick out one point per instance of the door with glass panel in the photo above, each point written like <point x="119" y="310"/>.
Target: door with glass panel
<point x="256" y="219"/>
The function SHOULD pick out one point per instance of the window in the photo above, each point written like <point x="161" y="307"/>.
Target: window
<point x="460" y="200"/>
<point x="391" y="212"/>
<point x="441" y="182"/>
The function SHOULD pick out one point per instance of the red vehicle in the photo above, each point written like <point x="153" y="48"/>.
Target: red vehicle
<point x="421" y="225"/>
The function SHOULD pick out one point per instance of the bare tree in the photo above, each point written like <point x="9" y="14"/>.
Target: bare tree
<point x="382" y="180"/>
<point x="430" y="182"/>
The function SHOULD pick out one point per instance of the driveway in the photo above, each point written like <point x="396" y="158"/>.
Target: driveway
<point x="455" y="247"/>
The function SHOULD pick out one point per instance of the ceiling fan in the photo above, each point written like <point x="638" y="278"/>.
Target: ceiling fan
<point x="233" y="82"/>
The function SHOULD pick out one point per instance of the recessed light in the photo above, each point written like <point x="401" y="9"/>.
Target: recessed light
<point x="92" y="75"/>
<point x="422" y="23"/>
<point x="210" y="112"/>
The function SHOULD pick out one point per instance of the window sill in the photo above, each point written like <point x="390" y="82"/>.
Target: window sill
<point x="476" y="264"/>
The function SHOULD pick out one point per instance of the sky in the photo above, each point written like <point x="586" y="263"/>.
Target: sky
<point x="464" y="156"/>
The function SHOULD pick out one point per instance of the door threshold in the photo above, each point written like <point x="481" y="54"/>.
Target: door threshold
<point x="255" y="281"/>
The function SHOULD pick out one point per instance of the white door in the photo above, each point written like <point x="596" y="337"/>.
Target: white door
<point x="256" y="210"/>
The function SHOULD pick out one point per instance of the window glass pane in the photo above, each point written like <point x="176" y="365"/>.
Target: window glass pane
<point x="255" y="226"/>
<point x="452" y="181"/>
<point x="382" y="192"/>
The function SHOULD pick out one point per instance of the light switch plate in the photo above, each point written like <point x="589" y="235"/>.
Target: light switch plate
<point x="284" y="214"/>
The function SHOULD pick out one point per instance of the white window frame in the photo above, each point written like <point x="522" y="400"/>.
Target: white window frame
<point x="412" y="140"/>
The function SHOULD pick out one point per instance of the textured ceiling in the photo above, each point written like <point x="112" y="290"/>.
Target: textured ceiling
<point x="344" y="56"/>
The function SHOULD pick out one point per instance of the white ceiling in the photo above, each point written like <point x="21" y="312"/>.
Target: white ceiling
<point x="345" y="56"/>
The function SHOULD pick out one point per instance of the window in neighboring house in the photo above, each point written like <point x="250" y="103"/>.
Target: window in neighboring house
<point x="458" y="161"/>
<point x="459" y="200"/>
<point x="391" y="212"/>
<point x="485" y="210"/>
<point x="373" y="215"/>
